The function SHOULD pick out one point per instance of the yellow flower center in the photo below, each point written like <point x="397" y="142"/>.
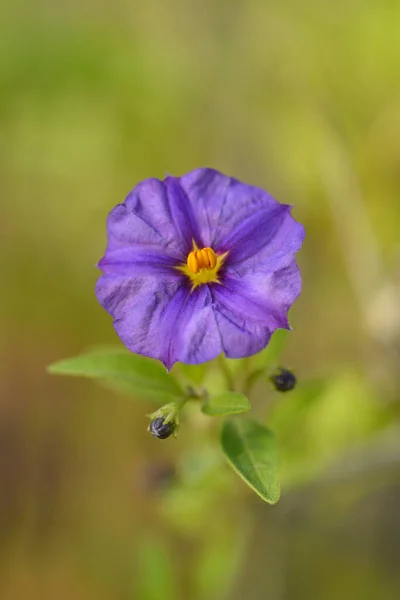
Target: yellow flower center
<point x="202" y="266"/>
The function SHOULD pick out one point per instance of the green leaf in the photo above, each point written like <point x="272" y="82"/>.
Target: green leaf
<point x="229" y="403"/>
<point x="143" y="376"/>
<point x="251" y="450"/>
<point x="127" y="388"/>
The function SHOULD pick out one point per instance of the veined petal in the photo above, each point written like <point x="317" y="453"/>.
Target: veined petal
<point x="249" y="311"/>
<point x="251" y="303"/>
<point x="143" y="219"/>
<point x="263" y="237"/>
<point x="240" y="337"/>
<point x="182" y="214"/>
<point x="220" y="203"/>
<point x="260" y="300"/>
<point x="161" y="317"/>
<point x="206" y="190"/>
<point x="138" y="260"/>
<point x="196" y="336"/>
<point x="274" y="256"/>
<point x="157" y="214"/>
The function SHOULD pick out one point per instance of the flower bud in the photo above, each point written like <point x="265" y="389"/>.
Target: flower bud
<point x="284" y="380"/>
<point x="160" y="429"/>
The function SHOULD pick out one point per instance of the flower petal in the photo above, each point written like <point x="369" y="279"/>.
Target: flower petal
<point x="182" y="215"/>
<point x="161" y="317"/>
<point x="155" y="213"/>
<point x="263" y="238"/>
<point x="206" y="190"/>
<point x="250" y="303"/>
<point x="220" y="203"/>
<point x="138" y="260"/>
<point x="248" y="310"/>
<point x="240" y="337"/>
<point x="197" y="335"/>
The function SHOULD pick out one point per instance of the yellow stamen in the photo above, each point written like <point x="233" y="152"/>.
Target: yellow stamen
<point x="202" y="266"/>
<point x="201" y="259"/>
<point x="192" y="262"/>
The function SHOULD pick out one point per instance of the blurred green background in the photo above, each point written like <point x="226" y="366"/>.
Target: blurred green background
<point x="301" y="98"/>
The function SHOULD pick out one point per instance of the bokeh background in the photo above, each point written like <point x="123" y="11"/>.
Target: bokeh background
<point x="301" y="98"/>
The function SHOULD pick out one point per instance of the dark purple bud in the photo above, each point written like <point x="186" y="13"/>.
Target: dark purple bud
<point x="284" y="380"/>
<point x="160" y="429"/>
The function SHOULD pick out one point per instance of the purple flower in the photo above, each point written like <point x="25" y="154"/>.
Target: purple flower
<point x="198" y="265"/>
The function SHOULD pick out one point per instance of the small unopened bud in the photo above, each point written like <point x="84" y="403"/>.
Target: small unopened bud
<point x="160" y="429"/>
<point x="284" y="380"/>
